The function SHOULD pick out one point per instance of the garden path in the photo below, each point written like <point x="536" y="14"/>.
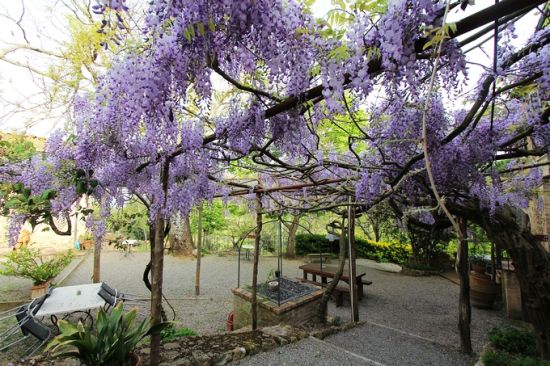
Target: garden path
<point x="408" y="318"/>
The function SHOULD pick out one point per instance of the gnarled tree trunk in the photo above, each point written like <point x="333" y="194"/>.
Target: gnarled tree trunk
<point x="181" y="239"/>
<point x="464" y="307"/>
<point x="323" y="305"/>
<point x="509" y="229"/>
<point x="291" y="243"/>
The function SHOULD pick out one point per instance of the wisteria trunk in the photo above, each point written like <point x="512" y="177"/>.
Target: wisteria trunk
<point x="256" y="257"/>
<point x="291" y="244"/>
<point x="157" y="266"/>
<point x="199" y="248"/>
<point x="532" y="264"/>
<point x="157" y="263"/>
<point x="181" y="239"/>
<point x="464" y="306"/>
<point x="323" y="305"/>
<point x="509" y="229"/>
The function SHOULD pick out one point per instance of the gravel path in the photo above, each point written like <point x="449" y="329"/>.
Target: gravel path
<point x="205" y="314"/>
<point x="411" y="320"/>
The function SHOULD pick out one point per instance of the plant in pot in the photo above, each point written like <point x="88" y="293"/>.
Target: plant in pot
<point x="112" y="341"/>
<point x="29" y="263"/>
<point x="86" y="241"/>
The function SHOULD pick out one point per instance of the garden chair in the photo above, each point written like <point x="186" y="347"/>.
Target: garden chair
<point x="29" y="326"/>
<point x="112" y="296"/>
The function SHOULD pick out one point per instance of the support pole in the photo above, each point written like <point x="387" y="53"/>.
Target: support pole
<point x="199" y="248"/>
<point x="256" y="256"/>
<point x="351" y="264"/>
<point x="464" y="307"/>
<point x="97" y="261"/>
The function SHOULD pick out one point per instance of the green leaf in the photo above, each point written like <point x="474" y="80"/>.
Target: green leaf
<point x="200" y="27"/>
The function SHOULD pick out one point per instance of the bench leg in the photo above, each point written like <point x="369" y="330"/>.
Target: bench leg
<point x="339" y="298"/>
<point x="314" y="277"/>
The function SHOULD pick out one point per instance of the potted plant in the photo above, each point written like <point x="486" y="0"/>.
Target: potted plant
<point x="112" y="341"/>
<point x="86" y="241"/>
<point x="29" y="263"/>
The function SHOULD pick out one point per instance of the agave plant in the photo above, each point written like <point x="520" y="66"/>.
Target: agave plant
<point x="111" y="343"/>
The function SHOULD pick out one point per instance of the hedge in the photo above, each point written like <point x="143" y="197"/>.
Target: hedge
<point x="393" y="252"/>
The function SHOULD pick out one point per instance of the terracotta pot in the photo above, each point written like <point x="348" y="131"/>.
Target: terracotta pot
<point x="135" y="359"/>
<point x="87" y="244"/>
<point x="482" y="290"/>
<point x="41" y="289"/>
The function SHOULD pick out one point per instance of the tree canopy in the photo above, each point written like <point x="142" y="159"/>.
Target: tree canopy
<point x="359" y="105"/>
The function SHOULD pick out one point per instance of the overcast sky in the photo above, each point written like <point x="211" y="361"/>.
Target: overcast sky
<point x="44" y="27"/>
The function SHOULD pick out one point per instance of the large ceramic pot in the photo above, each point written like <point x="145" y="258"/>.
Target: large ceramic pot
<point x="482" y="290"/>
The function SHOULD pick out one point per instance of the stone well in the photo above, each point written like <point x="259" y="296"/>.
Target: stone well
<point x="296" y="309"/>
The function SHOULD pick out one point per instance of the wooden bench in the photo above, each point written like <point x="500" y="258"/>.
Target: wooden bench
<point x="316" y="257"/>
<point x="339" y="292"/>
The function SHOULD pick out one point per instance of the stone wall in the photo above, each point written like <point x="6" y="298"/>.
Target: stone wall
<point x="298" y="312"/>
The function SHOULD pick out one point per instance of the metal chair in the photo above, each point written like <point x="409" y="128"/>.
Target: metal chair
<point x="112" y="296"/>
<point x="29" y="325"/>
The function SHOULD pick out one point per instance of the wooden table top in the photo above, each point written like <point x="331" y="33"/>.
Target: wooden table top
<point x="329" y="270"/>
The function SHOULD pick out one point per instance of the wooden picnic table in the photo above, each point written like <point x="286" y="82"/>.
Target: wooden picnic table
<point x="329" y="271"/>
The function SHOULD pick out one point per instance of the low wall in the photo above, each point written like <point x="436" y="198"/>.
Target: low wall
<point x="295" y="312"/>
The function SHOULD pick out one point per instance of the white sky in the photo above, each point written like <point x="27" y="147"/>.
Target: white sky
<point x="44" y="24"/>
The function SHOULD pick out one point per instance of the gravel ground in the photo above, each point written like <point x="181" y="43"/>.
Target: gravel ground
<point x="411" y="320"/>
<point x="205" y="314"/>
<point x="308" y="352"/>
<point x="424" y="306"/>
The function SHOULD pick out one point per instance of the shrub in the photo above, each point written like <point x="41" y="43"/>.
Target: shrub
<point x="394" y="252"/>
<point x="513" y="347"/>
<point x="513" y="340"/>
<point x="172" y="333"/>
<point x="502" y="358"/>
<point x="314" y="243"/>
<point x="29" y="263"/>
<point x="495" y="358"/>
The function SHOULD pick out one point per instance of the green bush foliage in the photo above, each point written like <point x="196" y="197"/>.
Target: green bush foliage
<point x="512" y="347"/>
<point x="513" y="340"/>
<point x="29" y="263"/>
<point x="501" y="358"/>
<point x="172" y="333"/>
<point x="394" y="252"/>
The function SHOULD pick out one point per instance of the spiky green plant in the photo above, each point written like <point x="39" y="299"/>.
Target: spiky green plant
<point x="111" y="342"/>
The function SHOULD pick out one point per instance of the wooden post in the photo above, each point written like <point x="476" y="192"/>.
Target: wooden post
<point x="76" y="228"/>
<point x="351" y="264"/>
<point x="464" y="307"/>
<point x="258" y="233"/>
<point x="97" y="262"/>
<point x="199" y="248"/>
